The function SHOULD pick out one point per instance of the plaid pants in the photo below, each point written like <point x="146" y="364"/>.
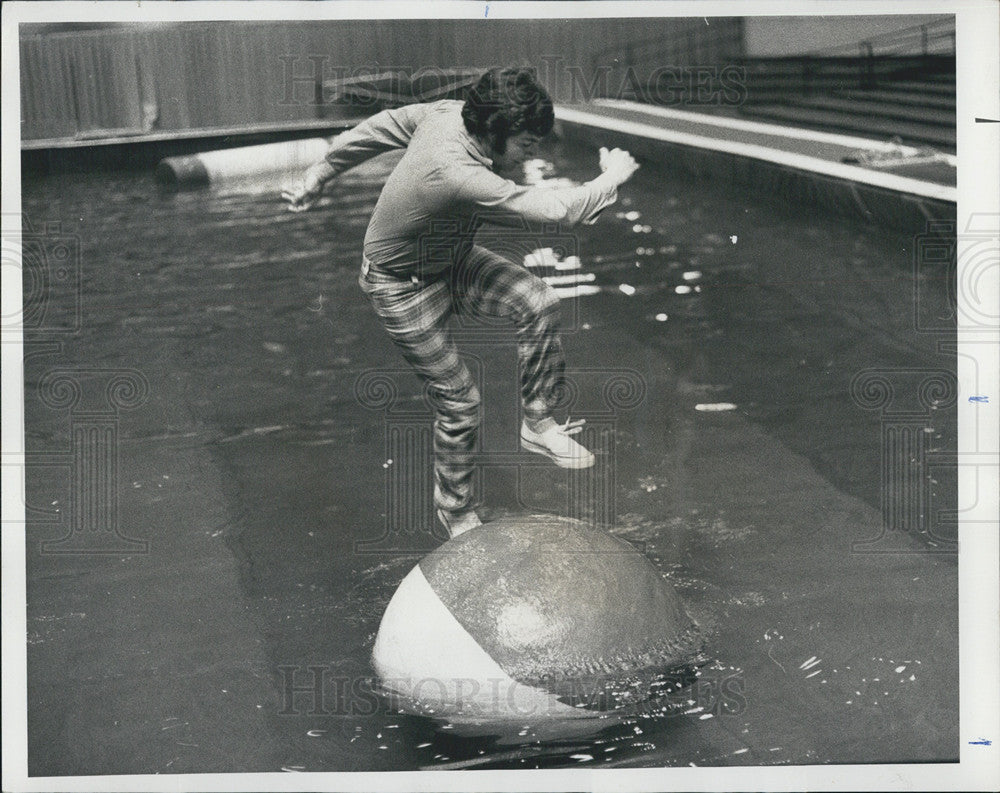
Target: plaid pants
<point x="484" y="286"/>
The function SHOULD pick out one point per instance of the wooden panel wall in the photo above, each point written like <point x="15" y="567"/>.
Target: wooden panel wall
<point x="199" y="76"/>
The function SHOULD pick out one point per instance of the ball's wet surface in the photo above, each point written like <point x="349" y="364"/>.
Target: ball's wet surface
<point x="553" y="600"/>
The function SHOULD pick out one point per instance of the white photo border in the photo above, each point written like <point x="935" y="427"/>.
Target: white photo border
<point x="979" y="165"/>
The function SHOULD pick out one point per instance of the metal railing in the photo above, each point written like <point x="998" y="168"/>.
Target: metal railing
<point x="907" y="53"/>
<point x="930" y="38"/>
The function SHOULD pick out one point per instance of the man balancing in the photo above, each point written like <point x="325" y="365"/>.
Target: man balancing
<point x="446" y="184"/>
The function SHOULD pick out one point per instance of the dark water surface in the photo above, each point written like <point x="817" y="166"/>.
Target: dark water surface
<point x="261" y="478"/>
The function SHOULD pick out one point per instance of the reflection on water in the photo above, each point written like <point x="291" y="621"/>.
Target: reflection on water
<point x="603" y="738"/>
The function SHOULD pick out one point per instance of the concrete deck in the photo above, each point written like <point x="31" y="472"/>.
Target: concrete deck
<point x="805" y="166"/>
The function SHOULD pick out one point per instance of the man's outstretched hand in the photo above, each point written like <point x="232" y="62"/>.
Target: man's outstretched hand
<point x="302" y="196"/>
<point x="618" y="164"/>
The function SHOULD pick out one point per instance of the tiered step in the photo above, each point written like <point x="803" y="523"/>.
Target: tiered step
<point x="860" y="123"/>
<point x="919" y="112"/>
<point x="932" y="85"/>
<point x="866" y="108"/>
<point x="886" y="96"/>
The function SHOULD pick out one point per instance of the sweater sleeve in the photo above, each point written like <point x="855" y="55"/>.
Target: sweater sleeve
<point x="498" y="197"/>
<point x="390" y="129"/>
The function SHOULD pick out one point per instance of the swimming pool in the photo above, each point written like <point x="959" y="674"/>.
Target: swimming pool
<point x="259" y="478"/>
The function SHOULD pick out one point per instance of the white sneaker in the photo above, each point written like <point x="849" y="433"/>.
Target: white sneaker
<point x="556" y="444"/>
<point x="459" y="522"/>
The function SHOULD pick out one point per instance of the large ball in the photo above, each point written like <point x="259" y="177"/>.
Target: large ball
<point x="529" y="618"/>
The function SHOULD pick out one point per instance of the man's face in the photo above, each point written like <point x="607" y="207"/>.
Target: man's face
<point x="520" y="148"/>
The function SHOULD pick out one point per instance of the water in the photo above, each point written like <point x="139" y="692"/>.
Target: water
<point x="248" y="323"/>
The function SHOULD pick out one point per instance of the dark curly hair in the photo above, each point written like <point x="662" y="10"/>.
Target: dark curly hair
<point x="505" y="102"/>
